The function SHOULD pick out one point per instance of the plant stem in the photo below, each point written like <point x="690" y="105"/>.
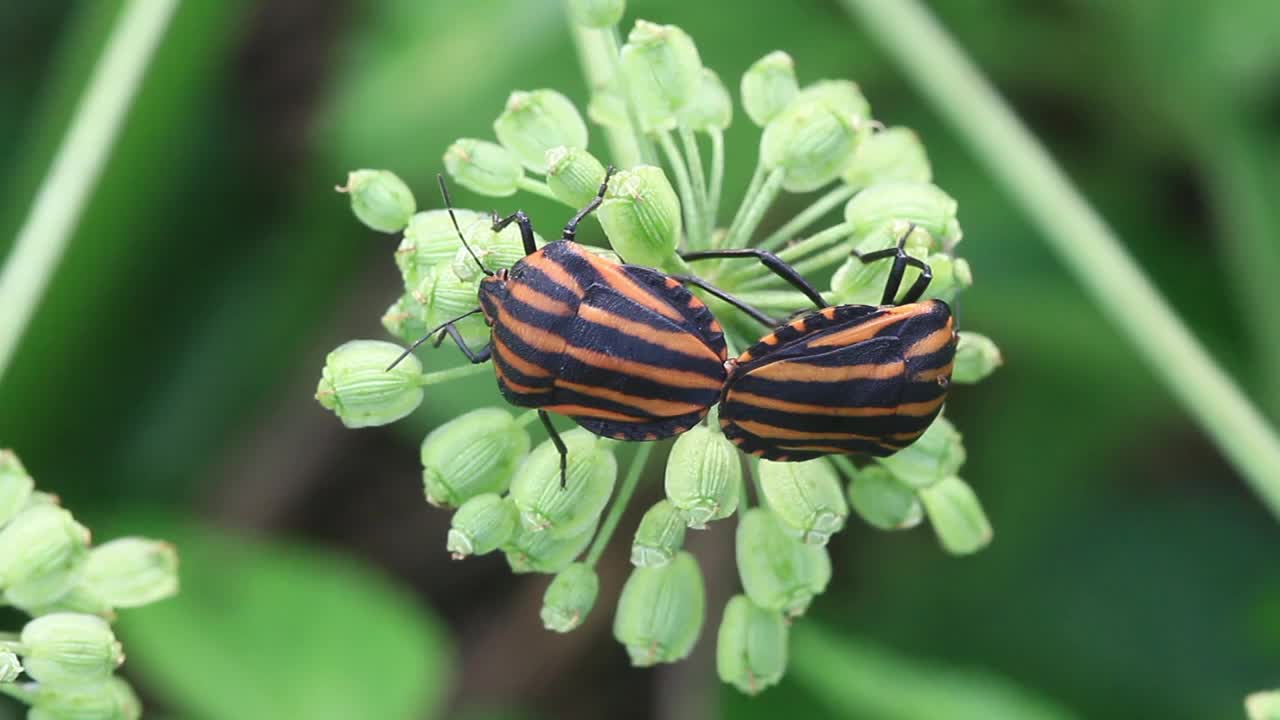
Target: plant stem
<point x="439" y="376"/>
<point x="753" y="189"/>
<point x="620" y="502"/>
<point x="754" y="212"/>
<point x="693" y="156"/>
<point x="613" y="46"/>
<point x="538" y="187"/>
<point x="688" y="200"/>
<point x="1080" y="237"/>
<point x="807" y="217"/>
<point x="792" y="253"/>
<point x="717" y="179"/>
<point x="77" y="165"/>
<point x="598" y="67"/>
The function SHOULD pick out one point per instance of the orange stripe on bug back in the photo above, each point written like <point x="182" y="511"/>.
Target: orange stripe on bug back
<point x="681" y="342"/>
<point x="769" y="403"/>
<point x="863" y="330"/>
<point x="554" y="272"/>
<point x="515" y="386"/>
<point x="590" y="412"/>
<point x="773" y="431"/>
<point x="923" y="408"/>
<point x="536" y="300"/>
<point x="535" y="337"/>
<point x="931" y="343"/>
<point x="653" y="406"/>
<point x="511" y="358"/>
<point x="660" y="375"/>
<point x="828" y="312"/>
<point x="791" y="370"/>
<point x="621" y="282"/>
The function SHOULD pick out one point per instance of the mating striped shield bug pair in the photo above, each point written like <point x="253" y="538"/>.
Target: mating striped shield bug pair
<point x="628" y="352"/>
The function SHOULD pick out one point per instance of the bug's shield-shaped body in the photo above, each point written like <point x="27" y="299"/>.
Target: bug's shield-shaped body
<point x="845" y="379"/>
<point x="625" y="351"/>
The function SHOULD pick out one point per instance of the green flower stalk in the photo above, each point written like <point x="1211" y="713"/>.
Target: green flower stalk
<point x="360" y="389"/>
<point x="768" y="87"/>
<point x="806" y="497"/>
<point x="16" y="486"/>
<point x="481" y="525"/>
<point x="562" y="512"/>
<point x="884" y="502"/>
<point x="484" y="167"/>
<point x="536" y="121"/>
<point x="68" y="649"/>
<point x="704" y="476"/>
<point x="661" y="611"/>
<point x="596" y="13"/>
<point x="976" y="358"/>
<point x="380" y="199"/>
<point x="131" y="572"/>
<point x="660" y="535"/>
<point x="569" y="597"/>
<point x="751" y="646"/>
<point x="473" y="454"/>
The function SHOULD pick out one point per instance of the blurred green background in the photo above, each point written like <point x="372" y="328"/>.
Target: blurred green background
<point x="165" y="384"/>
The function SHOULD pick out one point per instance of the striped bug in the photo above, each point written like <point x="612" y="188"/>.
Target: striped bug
<point x="845" y="379"/>
<point x="624" y="351"/>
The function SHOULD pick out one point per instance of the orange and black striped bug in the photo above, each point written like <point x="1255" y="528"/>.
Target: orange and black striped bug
<point x="625" y="351"/>
<point x="846" y="379"/>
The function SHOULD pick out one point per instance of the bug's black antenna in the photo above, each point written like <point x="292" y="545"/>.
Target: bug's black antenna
<point x="430" y="333"/>
<point x="448" y="204"/>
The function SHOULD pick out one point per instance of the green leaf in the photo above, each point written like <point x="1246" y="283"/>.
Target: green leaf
<point x="855" y="678"/>
<point x="275" y="630"/>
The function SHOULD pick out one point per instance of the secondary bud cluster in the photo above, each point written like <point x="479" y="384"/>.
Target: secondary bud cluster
<point x="67" y="652"/>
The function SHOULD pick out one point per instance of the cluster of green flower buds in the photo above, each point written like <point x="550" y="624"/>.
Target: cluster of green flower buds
<point x="68" y="652"/>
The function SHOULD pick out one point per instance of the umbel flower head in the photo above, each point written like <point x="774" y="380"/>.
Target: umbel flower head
<point x="663" y="115"/>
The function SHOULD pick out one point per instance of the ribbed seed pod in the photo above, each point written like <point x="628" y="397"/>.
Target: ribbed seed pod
<point x="574" y="175"/>
<point x="431" y="240"/>
<point x="712" y="108"/>
<point x="660" y="611"/>
<point x="751" y="646"/>
<point x="806" y="496"/>
<point x="641" y="215"/>
<point x="536" y="121"/>
<point x="957" y="516"/>
<point x="481" y="525"/>
<point x="663" y="73"/>
<point x="110" y="700"/>
<point x="542" y="552"/>
<point x="778" y="571"/>
<point x="483" y="167"/>
<point x="68" y="649"/>
<point x="861" y="283"/>
<point x="976" y="358"/>
<point x="937" y="455"/>
<point x="570" y="597"/>
<point x="883" y="501"/>
<point x="42" y="552"/>
<point x="131" y="572"/>
<point x="704" y="476"/>
<point x="660" y="535"/>
<point x="811" y="142"/>
<point x="888" y="155"/>
<point x="546" y="506"/>
<point x="921" y="203"/>
<point x="768" y="87"/>
<point x="843" y="96"/>
<point x="380" y="199"/>
<point x="357" y="386"/>
<point x="16" y="486"/>
<point x="471" y="455"/>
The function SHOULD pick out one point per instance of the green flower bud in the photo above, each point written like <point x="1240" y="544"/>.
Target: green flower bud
<point x="10" y="667"/>
<point x="569" y="597"/>
<point x="484" y="167"/>
<point x="542" y="552"/>
<point x="843" y="96"/>
<point x="537" y="121"/>
<point x="431" y="240"/>
<point x="893" y="154"/>
<point x="79" y="599"/>
<point x="42" y="498"/>
<point x="442" y="295"/>
<point x="811" y="142"/>
<point x="1263" y="705"/>
<point x="380" y="199"/>
<point x="565" y="511"/>
<point x="883" y="501"/>
<point x="924" y="204"/>
<point x="660" y="611"/>
<point x="806" y="496"/>
<point x="574" y="175"/>
<point x="132" y="572"/>
<point x="69" y="649"/>
<point x="976" y="358"/>
<point x="956" y="516"/>
<point x="935" y="456"/>
<point x="704" y="476"/>
<point x="663" y="73"/>
<point x="357" y="386"/>
<point x="41" y="554"/>
<point x="110" y="700"/>
<point x="751" y="647"/>
<point x="403" y="319"/>
<point x="778" y="571"/>
<point x="481" y="525"/>
<point x="608" y="109"/>
<point x="857" y="282"/>
<point x="472" y="454"/>
<point x="16" y="486"/>
<point x="768" y="87"/>
<point x="711" y="108"/>
<point x="596" y="13"/>
<point x="659" y="537"/>
<point x="641" y="215"/>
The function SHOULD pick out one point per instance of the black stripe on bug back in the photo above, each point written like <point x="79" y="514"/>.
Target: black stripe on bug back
<point x="847" y="379"/>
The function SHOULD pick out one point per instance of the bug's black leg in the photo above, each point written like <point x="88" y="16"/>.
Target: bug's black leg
<point x="448" y="204"/>
<point x="440" y="339"/>
<point x="775" y="264"/>
<point x="430" y="334"/>
<point x="571" y="227"/>
<point x="752" y="312"/>
<point x="555" y="440"/>
<point x="526" y="229"/>
<point x="475" y="356"/>
<point x="900" y="262"/>
<point x="922" y="283"/>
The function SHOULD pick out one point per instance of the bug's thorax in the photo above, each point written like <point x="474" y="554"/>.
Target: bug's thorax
<point x="493" y="291"/>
